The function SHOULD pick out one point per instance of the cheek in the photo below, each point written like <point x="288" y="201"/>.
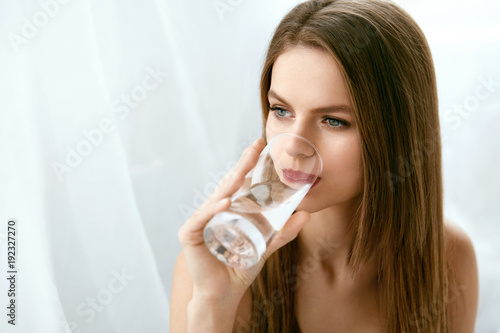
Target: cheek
<point x="270" y="130"/>
<point x="275" y="126"/>
<point x="341" y="177"/>
<point x="344" y="164"/>
<point x="350" y="159"/>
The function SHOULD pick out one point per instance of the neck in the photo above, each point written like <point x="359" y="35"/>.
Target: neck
<point x="325" y="242"/>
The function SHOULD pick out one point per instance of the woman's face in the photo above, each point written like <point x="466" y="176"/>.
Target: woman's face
<point x="308" y="97"/>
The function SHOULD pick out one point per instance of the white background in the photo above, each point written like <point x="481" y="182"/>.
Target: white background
<point x="117" y="210"/>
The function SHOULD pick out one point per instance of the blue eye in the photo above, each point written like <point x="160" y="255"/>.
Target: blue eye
<point x="332" y="123"/>
<point x="279" y="112"/>
<point x="336" y="123"/>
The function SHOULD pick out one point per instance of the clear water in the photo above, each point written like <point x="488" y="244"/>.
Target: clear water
<point x="240" y="236"/>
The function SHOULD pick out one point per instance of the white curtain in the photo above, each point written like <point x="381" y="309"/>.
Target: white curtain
<point x="117" y="118"/>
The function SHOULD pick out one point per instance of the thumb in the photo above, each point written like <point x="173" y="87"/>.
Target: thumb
<point x="288" y="232"/>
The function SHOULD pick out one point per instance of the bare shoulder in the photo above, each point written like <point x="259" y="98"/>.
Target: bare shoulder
<point x="464" y="282"/>
<point x="182" y="293"/>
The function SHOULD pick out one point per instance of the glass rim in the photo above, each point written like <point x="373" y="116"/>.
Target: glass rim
<point x="307" y="141"/>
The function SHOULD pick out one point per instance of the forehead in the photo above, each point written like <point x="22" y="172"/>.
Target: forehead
<point x="309" y="77"/>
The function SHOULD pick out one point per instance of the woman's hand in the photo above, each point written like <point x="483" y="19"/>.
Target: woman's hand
<point x="213" y="281"/>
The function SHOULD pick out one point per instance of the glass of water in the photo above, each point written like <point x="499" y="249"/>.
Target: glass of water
<point x="287" y="168"/>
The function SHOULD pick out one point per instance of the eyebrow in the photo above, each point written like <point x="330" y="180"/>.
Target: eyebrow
<point x="327" y="109"/>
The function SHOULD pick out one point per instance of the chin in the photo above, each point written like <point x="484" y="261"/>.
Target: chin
<point x="309" y="205"/>
<point x="315" y="202"/>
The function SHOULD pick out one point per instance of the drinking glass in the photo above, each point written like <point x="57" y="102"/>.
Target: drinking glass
<point x="287" y="168"/>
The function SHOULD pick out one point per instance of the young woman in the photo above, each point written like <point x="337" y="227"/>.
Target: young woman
<point x="367" y="249"/>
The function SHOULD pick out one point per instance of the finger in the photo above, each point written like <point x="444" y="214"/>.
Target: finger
<point x="231" y="182"/>
<point x="251" y="153"/>
<point x="288" y="233"/>
<point x="191" y="232"/>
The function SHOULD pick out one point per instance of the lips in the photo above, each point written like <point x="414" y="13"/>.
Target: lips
<point x="296" y="176"/>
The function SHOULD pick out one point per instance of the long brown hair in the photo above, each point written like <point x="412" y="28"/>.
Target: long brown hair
<point x="387" y="65"/>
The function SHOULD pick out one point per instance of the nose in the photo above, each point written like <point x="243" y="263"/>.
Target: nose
<point x="297" y="155"/>
<point x="298" y="148"/>
<point x="295" y="143"/>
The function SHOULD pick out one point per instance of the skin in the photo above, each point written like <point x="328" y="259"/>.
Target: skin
<point x="329" y="299"/>
<point x="305" y="81"/>
<point x="308" y="96"/>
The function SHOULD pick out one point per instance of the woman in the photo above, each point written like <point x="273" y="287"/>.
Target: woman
<point x="367" y="249"/>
